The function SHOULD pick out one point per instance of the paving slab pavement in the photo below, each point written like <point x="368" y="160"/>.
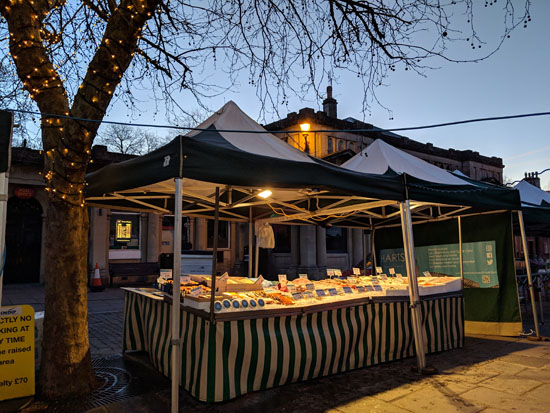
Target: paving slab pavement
<point x="105" y="313"/>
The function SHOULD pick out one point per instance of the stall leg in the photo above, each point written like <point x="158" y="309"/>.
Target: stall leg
<point x="460" y="255"/>
<point x="250" y="241"/>
<point x="373" y="253"/>
<point x="256" y="259"/>
<point x="416" y="316"/>
<point x="176" y="274"/>
<point x="215" y="252"/>
<point x="528" y="269"/>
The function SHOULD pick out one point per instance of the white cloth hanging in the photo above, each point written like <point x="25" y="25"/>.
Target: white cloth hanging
<point x="265" y="237"/>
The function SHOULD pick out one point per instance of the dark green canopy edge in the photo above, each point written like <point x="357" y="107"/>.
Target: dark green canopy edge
<point x="480" y="195"/>
<point x="209" y="157"/>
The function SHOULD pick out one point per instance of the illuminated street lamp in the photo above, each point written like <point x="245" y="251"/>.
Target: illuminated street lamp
<point x="305" y="129"/>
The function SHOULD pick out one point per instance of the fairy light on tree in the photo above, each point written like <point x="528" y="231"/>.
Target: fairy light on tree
<point x="72" y="58"/>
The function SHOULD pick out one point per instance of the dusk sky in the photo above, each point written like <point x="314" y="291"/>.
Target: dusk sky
<point x="513" y="81"/>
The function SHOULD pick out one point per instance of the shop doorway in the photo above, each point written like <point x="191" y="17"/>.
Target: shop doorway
<point x="23" y="241"/>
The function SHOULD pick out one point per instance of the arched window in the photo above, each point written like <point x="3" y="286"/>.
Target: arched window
<point x="330" y="145"/>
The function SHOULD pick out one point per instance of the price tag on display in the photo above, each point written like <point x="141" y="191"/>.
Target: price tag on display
<point x="166" y="274"/>
<point x="377" y="288"/>
<point x="297" y="296"/>
<point x="332" y="291"/>
<point x="379" y="270"/>
<point x="356" y="271"/>
<point x="303" y="276"/>
<point x="330" y="273"/>
<point x="282" y="277"/>
<point x="369" y="287"/>
<point x="338" y="273"/>
<point x="185" y="279"/>
<point x="310" y="286"/>
<point x="391" y="271"/>
<point x="360" y="289"/>
<point x="383" y="277"/>
<point x="320" y="293"/>
<point x="195" y="292"/>
<point x="427" y="274"/>
<point x="309" y="294"/>
<point x="348" y="290"/>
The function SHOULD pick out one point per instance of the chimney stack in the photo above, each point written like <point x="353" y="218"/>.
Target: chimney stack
<point x="329" y="104"/>
<point x="533" y="178"/>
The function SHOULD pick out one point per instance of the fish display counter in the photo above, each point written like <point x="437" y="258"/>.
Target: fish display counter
<point x="264" y="334"/>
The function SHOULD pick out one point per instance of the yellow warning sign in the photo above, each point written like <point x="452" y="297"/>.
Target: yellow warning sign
<point x="16" y="351"/>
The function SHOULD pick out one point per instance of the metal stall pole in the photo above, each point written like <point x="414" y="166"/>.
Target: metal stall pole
<point x="528" y="269"/>
<point x="250" y="241"/>
<point x="416" y="316"/>
<point x="214" y="252"/>
<point x="373" y="253"/>
<point x="6" y="133"/>
<point x="460" y="251"/>
<point x="364" y="252"/>
<point x="176" y="275"/>
<point x="256" y="259"/>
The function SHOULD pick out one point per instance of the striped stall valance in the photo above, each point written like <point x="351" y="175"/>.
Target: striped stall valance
<point x="230" y="358"/>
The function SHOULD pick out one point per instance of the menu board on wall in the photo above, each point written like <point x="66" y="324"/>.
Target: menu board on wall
<point x="123" y="230"/>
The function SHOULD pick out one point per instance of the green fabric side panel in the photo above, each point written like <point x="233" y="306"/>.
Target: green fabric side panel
<point x="481" y="304"/>
<point x="493" y="304"/>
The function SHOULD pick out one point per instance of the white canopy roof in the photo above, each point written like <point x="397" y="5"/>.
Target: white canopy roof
<point x="231" y="117"/>
<point x="380" y="156"/>
<point x="530" y="194"/>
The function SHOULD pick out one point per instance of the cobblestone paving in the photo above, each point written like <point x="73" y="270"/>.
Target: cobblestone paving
<point x="105" y="331"/>
<point x="105" y="312"/>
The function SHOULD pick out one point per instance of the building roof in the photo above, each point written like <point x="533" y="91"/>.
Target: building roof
<point x="401" y="142"/>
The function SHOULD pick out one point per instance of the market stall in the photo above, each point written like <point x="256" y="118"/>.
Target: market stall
<point x="252" y="350"/>
<point x="232" y="169"/>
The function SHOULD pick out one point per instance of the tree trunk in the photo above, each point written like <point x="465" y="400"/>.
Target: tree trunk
<point x="66" y="368"/>
<point x="66" y="363"/>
